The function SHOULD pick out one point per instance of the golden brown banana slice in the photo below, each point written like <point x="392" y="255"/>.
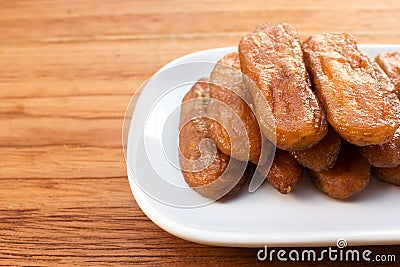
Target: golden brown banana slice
<point x="349" y="176"/>
<point x="285" y="172"/>
<point x="388" y="175"/>
<point x="233" y="127"/>
<point x="355" y="92"/>
<point x="390" y="63"/>
<point x="205" y="168"/>
<point x="323" y="155"/>
<point x="386" y="155"/>
<point x="271" y="56"/>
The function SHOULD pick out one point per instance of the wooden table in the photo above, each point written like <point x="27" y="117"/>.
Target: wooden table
<point x="68" y="69"/>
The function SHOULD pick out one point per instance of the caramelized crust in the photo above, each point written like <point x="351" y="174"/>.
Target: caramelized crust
<point x="271" y="57"/>
<point x="388" y="175"/>
<point x="323" y="155"/>
<point x="349" y="176"/>
<point x="285" y="172"/>
<point x="234" y="127"/>
<point x="386" y="155"/>
<point x="205" y="168"/>
<point x="355" y="92"/>
<point x="390" y="63"/>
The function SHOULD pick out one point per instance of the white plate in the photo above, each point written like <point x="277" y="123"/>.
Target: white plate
<point x="304" y="218"/>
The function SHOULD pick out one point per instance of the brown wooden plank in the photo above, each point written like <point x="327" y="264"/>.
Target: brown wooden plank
<point x="61" y="161"/>
<point x="168" y="24"/>
<point x="68" y="69"/>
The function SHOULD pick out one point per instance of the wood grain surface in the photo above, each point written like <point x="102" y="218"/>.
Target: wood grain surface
<point x="68" y="69"/>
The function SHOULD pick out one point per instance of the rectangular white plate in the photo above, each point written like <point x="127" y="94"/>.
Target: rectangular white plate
<point x="305" y="217"/>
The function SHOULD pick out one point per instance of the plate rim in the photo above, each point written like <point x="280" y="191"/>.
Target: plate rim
<point x="246" y="239"/>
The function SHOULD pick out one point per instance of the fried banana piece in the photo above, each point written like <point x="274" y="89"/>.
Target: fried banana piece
<point x="386" y="155"/>
<point x="390" y="63"/>
<point x="349" y="176"/>
<point x="355" y="92"/>
<point x="323" y="155"/>
<point x="205" y="168"/>
<point x="388" y="175"/>
<point x="271" y="57"/>
<point x="242" y="140"/>
<point x="285" y="172"/>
